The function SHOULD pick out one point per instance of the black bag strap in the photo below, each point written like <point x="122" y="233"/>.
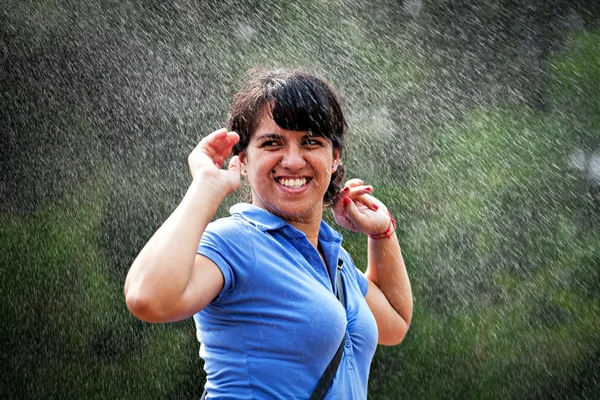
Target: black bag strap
<point x="339" y="283"/>
<point x="327" y="378"/>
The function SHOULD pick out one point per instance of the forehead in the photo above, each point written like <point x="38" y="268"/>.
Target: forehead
<point x="266" y="125"/>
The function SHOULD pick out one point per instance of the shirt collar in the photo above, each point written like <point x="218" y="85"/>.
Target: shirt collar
<point x="257" y="216"/>
<point x="265" y="221"/>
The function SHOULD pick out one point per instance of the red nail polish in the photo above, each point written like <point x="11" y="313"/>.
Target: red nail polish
<point x="346" y="201"/>
<point x="375" y="207"/>
<point x="368" y="189"/>
<point x="345" y="189"/>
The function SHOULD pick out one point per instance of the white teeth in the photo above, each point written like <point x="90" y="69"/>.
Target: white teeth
<point x="293" y="183"/>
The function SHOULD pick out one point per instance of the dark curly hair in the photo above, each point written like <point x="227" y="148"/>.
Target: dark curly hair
<point x="298" y="101"/>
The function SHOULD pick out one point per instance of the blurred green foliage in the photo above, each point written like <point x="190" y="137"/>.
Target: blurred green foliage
<point x="499" y="237"/>
<point x="66" y="331"/>
<point x="487" y="173"/>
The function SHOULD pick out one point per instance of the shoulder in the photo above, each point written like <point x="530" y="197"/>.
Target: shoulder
<point x="227" y="226"/>
<point x="230" y="236"/>
<point x="229" y="230"/>
<point x="228" y="242"/>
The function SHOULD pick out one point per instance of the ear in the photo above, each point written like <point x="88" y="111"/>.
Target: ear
<point x="243" y="163"/>
<point x="336" y="160"/>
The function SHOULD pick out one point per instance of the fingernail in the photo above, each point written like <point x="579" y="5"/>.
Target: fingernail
<point x="368" y="189"/>
<point x="345" y="189"/>
<point x="375" y="207"/>
<point x="346" y="201"/>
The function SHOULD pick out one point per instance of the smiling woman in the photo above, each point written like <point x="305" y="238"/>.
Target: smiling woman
<point x="263" y="285"/>
<point x="288" y="170"/>
<point x="290" y="101"/>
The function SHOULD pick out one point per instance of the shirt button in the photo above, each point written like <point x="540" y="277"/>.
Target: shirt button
<point x="347" y="343"/>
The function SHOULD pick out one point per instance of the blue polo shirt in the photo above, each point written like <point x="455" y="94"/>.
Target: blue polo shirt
<point x="277" y="323"/>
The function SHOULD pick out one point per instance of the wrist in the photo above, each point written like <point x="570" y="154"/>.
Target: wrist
<point x="388" y="233"/>
<point x="207" y="185"/>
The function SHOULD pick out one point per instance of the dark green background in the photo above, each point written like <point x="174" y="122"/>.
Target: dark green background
<point x="477" y="122"/>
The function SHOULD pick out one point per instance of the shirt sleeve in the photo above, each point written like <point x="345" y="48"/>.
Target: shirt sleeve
<point x="226" y="243"/>
<point x="363" y="283"/>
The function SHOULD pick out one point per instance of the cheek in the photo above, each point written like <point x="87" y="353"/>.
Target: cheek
<point x="262" y="171"/>
<point x="325" y="162"/>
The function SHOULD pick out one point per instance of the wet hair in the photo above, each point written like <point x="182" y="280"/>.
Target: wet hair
<point x="297" y="101"/>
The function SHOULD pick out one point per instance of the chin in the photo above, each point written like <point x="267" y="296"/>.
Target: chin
<point x="300" y="214"/>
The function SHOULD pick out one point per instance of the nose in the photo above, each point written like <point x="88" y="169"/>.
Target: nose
<point x="293" y="159"/>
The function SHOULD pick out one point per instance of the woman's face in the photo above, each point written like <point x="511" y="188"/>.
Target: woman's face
<point x="288" y="171"/>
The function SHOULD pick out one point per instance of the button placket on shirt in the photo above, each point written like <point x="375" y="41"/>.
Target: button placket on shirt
<point x="312" y="256"/>
<point x="349" y="351"/>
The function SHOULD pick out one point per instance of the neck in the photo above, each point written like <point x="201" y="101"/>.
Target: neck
<point x="310" y="228"/>
<point x="309" y="222"/>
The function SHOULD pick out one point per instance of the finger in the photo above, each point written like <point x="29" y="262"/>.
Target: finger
<point x="227" y="145"/>
<point x="338" y="207"/>
<point x="212" y="137"/>
<point x="234" y="172"/>
<point x="353" y="214"/>
<point x="342" y="193"/>
<point x="353" y="182"/>
<point x="218" y="140"/>
<point x="207" y="144"/>
<point x="218" y="145"/>
<point x="223" y="142"/>
<point x="235" y="165"/>
<point x="358" y="190"/>
<point x="230" y="140"/>
<point x="369" y="201"/>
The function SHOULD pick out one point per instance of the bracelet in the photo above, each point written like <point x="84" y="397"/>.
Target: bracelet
<point x="388" y="232"/>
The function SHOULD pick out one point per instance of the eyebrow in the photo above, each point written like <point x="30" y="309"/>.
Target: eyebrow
<point x="269" y="136"/>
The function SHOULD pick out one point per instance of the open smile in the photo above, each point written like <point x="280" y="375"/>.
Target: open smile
<point x="293" y="183"/>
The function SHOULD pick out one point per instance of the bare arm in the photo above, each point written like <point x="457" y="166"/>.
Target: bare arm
<point x="168" y="281"/>
<point x="389" y="296"/>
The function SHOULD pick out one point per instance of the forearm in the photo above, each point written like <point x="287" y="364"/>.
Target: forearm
<point x="387" y="271"/>
<point x="162" y="270"/>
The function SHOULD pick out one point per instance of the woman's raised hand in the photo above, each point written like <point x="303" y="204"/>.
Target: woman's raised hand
<point x="357" y="210"/>
<point x="207" y="159"/>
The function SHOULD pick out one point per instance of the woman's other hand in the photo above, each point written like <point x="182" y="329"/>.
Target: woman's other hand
<point x="207" y="159"/>
<point x="357" y="210"/>
<point x="389" y="295"/>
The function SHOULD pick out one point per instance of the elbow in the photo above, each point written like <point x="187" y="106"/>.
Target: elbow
<point x="395" y="336"/>
<point x="141" y="302"/>
<point x="141" y="307"/>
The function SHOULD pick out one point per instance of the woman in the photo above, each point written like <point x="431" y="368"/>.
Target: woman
<point x="261" y="284"/>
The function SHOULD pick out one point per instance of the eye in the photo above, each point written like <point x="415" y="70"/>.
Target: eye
<point x="313" y="142"/>
<point x="270" y="143"/>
